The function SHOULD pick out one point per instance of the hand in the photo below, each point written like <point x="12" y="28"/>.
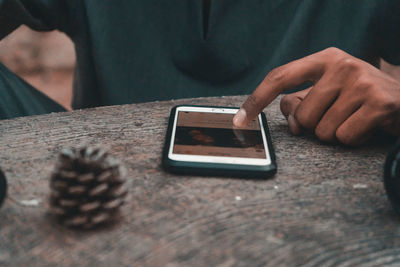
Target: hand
<point x="348" y="101"/>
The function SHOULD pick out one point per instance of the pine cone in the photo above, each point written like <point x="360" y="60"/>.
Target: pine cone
<point x="87" y="188"/>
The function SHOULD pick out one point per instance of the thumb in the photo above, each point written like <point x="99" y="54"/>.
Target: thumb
<point x="289" y="105"/>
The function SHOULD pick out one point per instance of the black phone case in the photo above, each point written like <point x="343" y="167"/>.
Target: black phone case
<point x="217" y="169"/>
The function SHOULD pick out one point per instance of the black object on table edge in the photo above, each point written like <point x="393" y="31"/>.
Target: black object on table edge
<point x="392" y="177"/>
<point x="3" y="187"/>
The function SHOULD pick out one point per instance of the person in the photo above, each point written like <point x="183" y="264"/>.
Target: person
<point x="137" y="51"/>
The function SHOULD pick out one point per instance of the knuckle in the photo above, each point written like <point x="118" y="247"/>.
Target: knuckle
<point x="345" y="137"/>
<point x="382" y="102"/>
<point x="275" y="76"/>
<point x="364" y="83"/>
<point x="304" y="119"/>
<point x="388" y="104"/>
<point x="348" y="64"/>
<point x="286" y="102"/>
<point x="333" y="51"/>
<point x="284" y="105"/>
<point x="324" y="135"/>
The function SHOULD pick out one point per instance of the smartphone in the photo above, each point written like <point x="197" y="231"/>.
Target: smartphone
<point x="202" y="140"/>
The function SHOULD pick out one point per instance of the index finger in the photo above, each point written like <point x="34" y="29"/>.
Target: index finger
<point x="288" y="76"/>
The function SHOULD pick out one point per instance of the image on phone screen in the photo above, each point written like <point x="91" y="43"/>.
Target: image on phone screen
<point x="212" y="136"/>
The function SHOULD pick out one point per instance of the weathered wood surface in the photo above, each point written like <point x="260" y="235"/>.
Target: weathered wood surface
<point x="325" y="206"/>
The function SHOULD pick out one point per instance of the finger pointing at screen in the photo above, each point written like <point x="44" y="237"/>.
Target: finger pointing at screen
<point x="348" y="101"/>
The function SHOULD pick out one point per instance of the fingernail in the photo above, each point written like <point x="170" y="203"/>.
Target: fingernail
<point x="240" y="118"/>
<point x="294" y="126"/>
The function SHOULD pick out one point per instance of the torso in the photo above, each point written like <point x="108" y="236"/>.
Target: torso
<point x="136" y="51"/>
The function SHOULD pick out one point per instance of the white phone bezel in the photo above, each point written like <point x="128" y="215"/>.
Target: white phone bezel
<point x="217" y="159"/>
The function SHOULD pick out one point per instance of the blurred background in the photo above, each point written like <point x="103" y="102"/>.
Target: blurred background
<point x="47" y="61"/>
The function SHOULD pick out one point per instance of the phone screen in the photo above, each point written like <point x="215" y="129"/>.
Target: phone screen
<point x="213" y="134"/>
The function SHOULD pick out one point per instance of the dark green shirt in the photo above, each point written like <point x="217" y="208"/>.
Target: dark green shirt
<point x="143" y="50"/>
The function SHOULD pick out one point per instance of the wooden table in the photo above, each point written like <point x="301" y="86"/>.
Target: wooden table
<point x="325" y="206"/>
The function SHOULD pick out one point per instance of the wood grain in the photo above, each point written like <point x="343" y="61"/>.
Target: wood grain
<point x="325" y="206"/>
